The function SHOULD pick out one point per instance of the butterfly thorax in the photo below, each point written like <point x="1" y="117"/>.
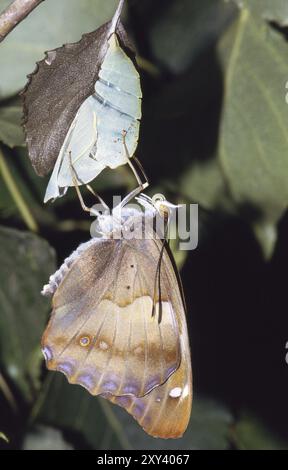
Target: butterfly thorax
<point x="121" y="222"/>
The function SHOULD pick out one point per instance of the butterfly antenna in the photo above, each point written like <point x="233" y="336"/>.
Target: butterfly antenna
<point x="158" y="277"/>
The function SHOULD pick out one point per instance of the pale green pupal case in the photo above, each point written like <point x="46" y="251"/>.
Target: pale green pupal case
<point x="95" y="137"/>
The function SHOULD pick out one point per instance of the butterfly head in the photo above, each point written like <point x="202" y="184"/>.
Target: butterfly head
<point x="157" y="204"/>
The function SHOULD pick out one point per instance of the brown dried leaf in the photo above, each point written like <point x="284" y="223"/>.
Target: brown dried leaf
<point x="58" y="87"/>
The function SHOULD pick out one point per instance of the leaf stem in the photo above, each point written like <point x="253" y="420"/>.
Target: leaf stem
<point x="4" y="387"/>
<point x="14" y="14"/>
<point x="4" y="437"/>
<point x="16" y="195"/>
<point x="36" y="408"/>
<point x="114" y="423"/>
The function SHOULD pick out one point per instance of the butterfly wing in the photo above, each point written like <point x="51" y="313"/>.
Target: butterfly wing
<point x="102" y="334"/>
<point x="165" y="411"/>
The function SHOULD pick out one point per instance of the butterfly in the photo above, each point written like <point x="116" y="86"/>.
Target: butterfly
<point x="116" y="331"/>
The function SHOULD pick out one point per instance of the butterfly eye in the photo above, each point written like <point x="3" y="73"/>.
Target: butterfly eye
<point x="85" y="341"/>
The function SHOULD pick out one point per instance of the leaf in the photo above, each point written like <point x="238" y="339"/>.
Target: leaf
<point x="4" y="437"/>
<point x="254" y="133"/>
<point x="185" y="29"/>
<point x="250" y="434"/>
<point x="205" y="184"/>
<point x="266" y="234"/>
<point x="11" y="188"/>
<point x="95" y="138"/>
<point x="28" y="184"/>
<point x="272" y="11"/>
<point x="180" y="256"/>
<point x="26" y="262"/>
<point x="61" y="83"/>
<point x="71" y="407"/>
<point x="50" y="24"/>
<point x="11" y="132"/>
<point x="45" y="438"/>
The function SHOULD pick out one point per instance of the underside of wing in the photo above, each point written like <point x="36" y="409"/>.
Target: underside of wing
<point x="104" y="333"/>
<point x="165" y="411"/>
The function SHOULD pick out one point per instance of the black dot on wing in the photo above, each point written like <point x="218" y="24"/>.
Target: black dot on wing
<point x="132" y="266"/>
<point x="128" y="287"/>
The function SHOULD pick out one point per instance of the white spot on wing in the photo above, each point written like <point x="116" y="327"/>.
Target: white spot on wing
<point x="103" y="345"/>
<point x="175" y="392"/>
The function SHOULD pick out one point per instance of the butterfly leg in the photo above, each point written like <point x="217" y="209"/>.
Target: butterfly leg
<point x="142" y="185"/>
<point x="140" y="167"/>
<point x="97" y="196"/>
<point x="76" y="184"/>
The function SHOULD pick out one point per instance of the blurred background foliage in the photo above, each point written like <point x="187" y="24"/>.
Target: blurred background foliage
<point x="214" y="132"/>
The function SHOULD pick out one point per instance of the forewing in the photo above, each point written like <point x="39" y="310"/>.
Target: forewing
<point x="104" y="333"/>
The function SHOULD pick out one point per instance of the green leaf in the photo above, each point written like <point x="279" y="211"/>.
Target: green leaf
<point x="250" y="434"/>
<point x="204" y="183"/>
<point x="11" y="132"/>
<point x="185" y="28"/>
<point x="276" y="10"/>
<point x="52" y="23"/>
<point x="180" y="256"/>
<point x="266" y="235"/>
<point x="71" y="407"/>
<point x="30" y="186"/>
<point x="4" y="437"/>
<point x="107" y="426"/>
<point x="26" y="262"/>
<point x="15" y="194"/>
<point x="45" y="438"/>
<point x="254" y="132"/>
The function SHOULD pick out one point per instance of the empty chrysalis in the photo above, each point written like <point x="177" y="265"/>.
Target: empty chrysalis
<point x="95" y="137"/>
<point x="83" y="108"/>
